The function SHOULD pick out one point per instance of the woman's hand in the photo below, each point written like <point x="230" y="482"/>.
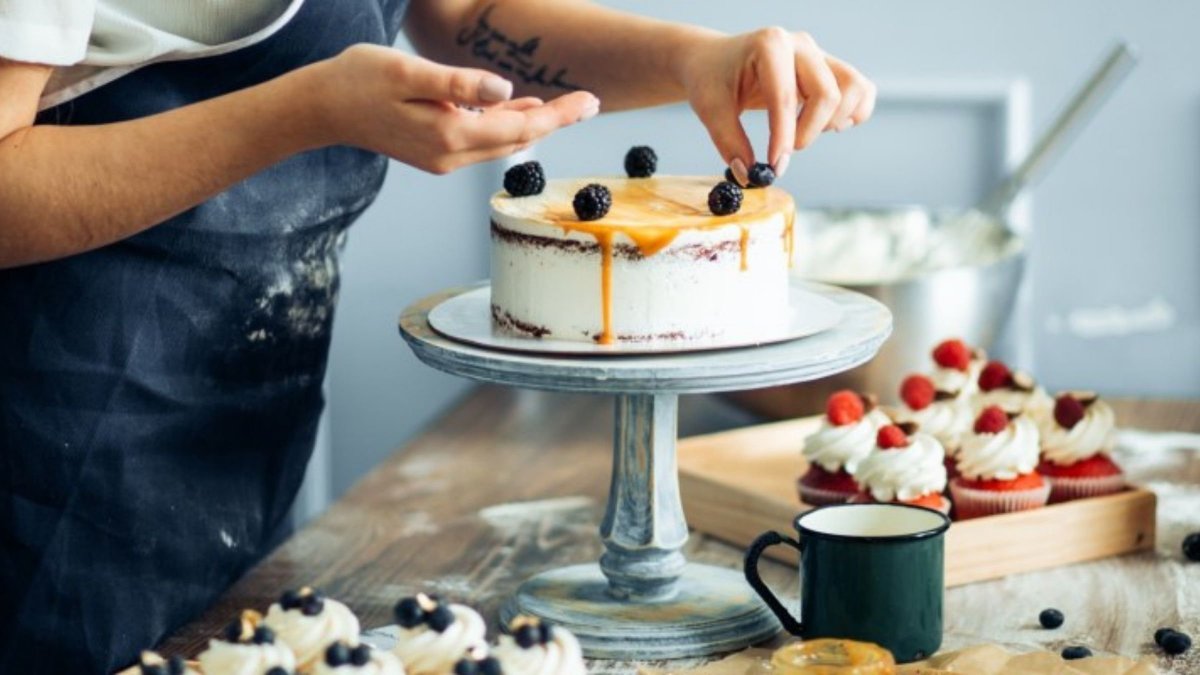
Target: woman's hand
<point x="781" y="72"/>
<point x="434" y="117"/>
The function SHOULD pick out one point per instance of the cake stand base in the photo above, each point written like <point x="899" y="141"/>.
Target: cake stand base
<point x="713" y="611"/>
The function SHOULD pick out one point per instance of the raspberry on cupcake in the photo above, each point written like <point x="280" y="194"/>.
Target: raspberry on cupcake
<point x="956" y="367"/>
<point x="938" y="413"/>
<point x="846" y="436"/>
<point x="905" y="467"/>
<point x="997" y="467"/>
<point x="1014" y="392"/>
<point x="1076" y="441"/>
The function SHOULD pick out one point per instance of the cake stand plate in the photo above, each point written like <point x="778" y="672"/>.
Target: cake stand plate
<point x="644" y="600"/>
<point x="468" y="318"/>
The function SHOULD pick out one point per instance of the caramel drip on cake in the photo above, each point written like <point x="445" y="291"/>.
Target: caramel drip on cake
<point x="605" y="239"/>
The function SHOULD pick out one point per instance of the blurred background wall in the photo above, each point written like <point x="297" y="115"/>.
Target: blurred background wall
<point x="1113" y="296"/>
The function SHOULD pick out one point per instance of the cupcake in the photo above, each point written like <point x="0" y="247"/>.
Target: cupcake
<point x="1076" y="441"/>
<point x="308" y="622"/>
<point x="151" y="663"/>
<point x="939" y="413"/>
<point x="846" y="436"/>
<point x="345" y="658"/>
<point x="905" y="467"/>
<point x="247" y="647"/>
<point x="997" y="467"/>
<point x="435" y="635"/>
<point x="533" y="647"/>
<point x="1013" y="392"/>
<point x="956" y="368"/>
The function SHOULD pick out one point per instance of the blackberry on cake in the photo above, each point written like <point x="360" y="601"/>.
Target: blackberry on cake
<point x="525" y="179"/>
<point x="641" y="162"/>
<point x="592" y="202"/>
<point x="725" y="198"/>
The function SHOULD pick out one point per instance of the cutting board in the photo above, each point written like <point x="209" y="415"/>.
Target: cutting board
<point x="738" y="484"/>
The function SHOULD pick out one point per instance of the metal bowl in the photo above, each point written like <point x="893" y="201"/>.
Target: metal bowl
<point x="968" y="291"/>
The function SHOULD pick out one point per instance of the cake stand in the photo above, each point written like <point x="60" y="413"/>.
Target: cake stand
<point x="644" y="600"/>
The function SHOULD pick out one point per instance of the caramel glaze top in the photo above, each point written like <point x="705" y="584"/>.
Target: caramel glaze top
<point x="651" y="212"/>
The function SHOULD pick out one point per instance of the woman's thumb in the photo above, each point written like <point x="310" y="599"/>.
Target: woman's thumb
<point x="468" y="86"/>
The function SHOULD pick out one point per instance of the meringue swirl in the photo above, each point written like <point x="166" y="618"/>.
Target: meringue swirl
<point x="1094" y="434"/>
<point x="954" y="381"/>
<point x="561" y="656"/>
<point x="1001" y="456"/>
<point x="308" y="636"/>
<point x="1035" y="403"/>
<point x="236" y="658"/>
<point x="381" y="663"/>
<point x="425" y="651"/>
<point x="946" y="421"/>
<point x="834" y="447"/>
<point x="904" y="473"/>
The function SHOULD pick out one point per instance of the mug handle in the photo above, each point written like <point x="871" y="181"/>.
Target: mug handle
<point x="750" y="568"/>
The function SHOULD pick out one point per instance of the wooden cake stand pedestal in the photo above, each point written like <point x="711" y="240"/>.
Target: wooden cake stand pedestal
<point x="643" y="600"/>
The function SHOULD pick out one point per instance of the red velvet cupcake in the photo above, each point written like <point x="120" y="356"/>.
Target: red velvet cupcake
<point x="904" y="468"/>
<point x="1076" y="442"/>
<point x="846" y="436"/>
<point x="997" y="467"/>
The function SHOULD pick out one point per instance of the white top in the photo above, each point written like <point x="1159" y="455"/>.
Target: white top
<point x="96" y="41"/>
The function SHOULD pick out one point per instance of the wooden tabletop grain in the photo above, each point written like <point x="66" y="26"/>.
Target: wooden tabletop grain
<point x="508" y="483"/>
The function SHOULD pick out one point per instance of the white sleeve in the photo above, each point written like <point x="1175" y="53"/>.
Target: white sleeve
<point x="53" y="32"/>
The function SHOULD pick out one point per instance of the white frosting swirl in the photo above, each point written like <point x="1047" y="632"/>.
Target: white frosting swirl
<point x="1001" y="456"/>
<point x="945" y="420"/>
<point x="834" y="447"/>
<point x="954" y="381"/>
<point x="1035" y="403"/>
<point x="236" y="658"/>
<point x="381" y="663"/>
<point x="561" y="656"/>
<point x="308" y="636"/>
<point x="1093" y="434"/>
<point x="425" y="651"/>
<point x="904" y="473"/>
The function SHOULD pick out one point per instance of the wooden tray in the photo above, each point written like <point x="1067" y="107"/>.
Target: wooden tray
<point x="737" y="484"/>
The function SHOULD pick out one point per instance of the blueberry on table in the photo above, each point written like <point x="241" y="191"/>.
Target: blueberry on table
<point x="1072" y="653"/>
<point x="1191" y="547"/>
<point x="1176" y="643"/>
<point x="1050" y="618"/>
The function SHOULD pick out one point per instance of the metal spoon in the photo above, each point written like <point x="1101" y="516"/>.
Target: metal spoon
<point x="983" y="228"/>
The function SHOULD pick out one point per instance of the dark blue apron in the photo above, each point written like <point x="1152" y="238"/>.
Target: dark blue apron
<point x="159" y="397"/>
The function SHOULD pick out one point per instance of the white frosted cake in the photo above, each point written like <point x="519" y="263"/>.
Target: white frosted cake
<point x="658" y="266"/>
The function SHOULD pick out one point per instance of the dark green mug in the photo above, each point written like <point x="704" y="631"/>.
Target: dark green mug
<point x="868" y="572"/>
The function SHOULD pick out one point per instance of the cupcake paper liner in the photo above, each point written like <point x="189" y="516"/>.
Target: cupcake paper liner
<point x="821" y="497"/>
<point x="973" y="503"/>
<point x="1066" y="488"/>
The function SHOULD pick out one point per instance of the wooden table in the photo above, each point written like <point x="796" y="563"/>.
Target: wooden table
<point x="509" y="483"/>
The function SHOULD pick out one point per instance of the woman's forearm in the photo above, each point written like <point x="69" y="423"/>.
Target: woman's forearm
<point x="69" y="189"/>
<point x="548" y="47"/>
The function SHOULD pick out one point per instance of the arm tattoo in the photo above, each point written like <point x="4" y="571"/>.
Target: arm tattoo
<point x="508" y="55"/>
